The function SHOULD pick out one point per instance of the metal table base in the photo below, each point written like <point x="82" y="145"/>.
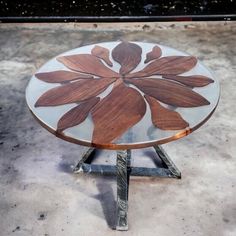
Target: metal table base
<point x="123" y="170"/>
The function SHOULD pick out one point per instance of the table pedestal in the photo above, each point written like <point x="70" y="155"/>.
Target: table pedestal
<point x="123" y="170"/>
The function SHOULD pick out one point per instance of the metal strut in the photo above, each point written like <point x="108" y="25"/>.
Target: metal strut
<point x="123" y="170"/>
<point x="122" y="189"/>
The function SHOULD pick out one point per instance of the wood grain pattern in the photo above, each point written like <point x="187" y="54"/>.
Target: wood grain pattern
<point x="88" y="64"/>
<point x="116" y="113"/>
<point x="74" y="92"/>
<point x="114" y="146"/>
<point x="172" y="65"/>
<point x="154" y="54"/>
<point x="191" y="81"/>
<point x="170" y="93"/>
<point x="164" y="118"/>
<point x="124" y="106"/>
<point x="102" y="53"/>
<point x="76" y="115"/>
<point x="128" y="55"/>
<point x="61" y="76"/>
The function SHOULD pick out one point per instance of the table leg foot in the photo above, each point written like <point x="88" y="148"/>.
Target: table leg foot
<point x="169" y="164"/>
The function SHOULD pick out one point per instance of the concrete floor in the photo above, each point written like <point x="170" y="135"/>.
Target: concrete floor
<point x="40" y="196"/>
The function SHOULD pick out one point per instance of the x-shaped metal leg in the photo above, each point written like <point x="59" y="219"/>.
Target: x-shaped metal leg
<point x="123" y="170"/>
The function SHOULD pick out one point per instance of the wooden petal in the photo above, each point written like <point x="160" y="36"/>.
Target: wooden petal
<point x="169" y="92"/>
<point x="88" y="64"/>
<point x="60" y="76"/>
<point x="102" y="53"/>
<point x="172" y="65"/>
<point x="164" y="118"/>
<point x="191" y="81"/>
<point x="154" y="54"/>
<point x="128" y="55"/>
<point x="74" y="92"/>
<point x="116" y="113"/>
<point x="76" y="115"/>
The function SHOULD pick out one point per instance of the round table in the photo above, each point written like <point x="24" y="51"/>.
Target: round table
<point x="123" y="95"/>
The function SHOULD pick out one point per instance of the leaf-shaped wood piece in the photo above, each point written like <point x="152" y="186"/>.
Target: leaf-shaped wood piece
<point x="169" y="92"/>
<point x="154" y="54"/>
<point x="172" y="65"/>
<point x="102" y="53"/>
<point x="76" y="115"/>
<point x="116" y="113"/>
<point x="61" y="76"/>
<point x="128" y="55"/>
<point x="164" y="118"/>
<point x="74" y="92"/>
<point x="191" y="81"/>
<point x="88" y="64"/>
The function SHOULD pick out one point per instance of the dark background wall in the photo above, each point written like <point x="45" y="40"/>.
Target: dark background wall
<point x="116" y="10"/>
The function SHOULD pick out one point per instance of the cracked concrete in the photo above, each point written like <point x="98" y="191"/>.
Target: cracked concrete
<point x="40" y="196"/>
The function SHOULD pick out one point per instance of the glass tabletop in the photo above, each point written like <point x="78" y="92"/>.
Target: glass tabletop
<point x="122" y="95"/>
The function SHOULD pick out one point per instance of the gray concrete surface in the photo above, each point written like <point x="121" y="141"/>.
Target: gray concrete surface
<point x="40" y="196"/>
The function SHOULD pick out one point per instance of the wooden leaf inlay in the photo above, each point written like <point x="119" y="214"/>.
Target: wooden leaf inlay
<point x="89" y="75"/>
<point x="128" y="55"/>
<point x="76" y="115"/>
<point x="88" y="64"/>
<point x="102" y="53"/>
<point x="74" y="92"/>
<point x="116" y="113"/>
<point x="61" y="76"/>
<point x="172" y="65"/>
<point x="164" y="118"/>
<point x="154" y="54"/>
<point x="170" y="93"/>
<point x="191" y="81"/>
